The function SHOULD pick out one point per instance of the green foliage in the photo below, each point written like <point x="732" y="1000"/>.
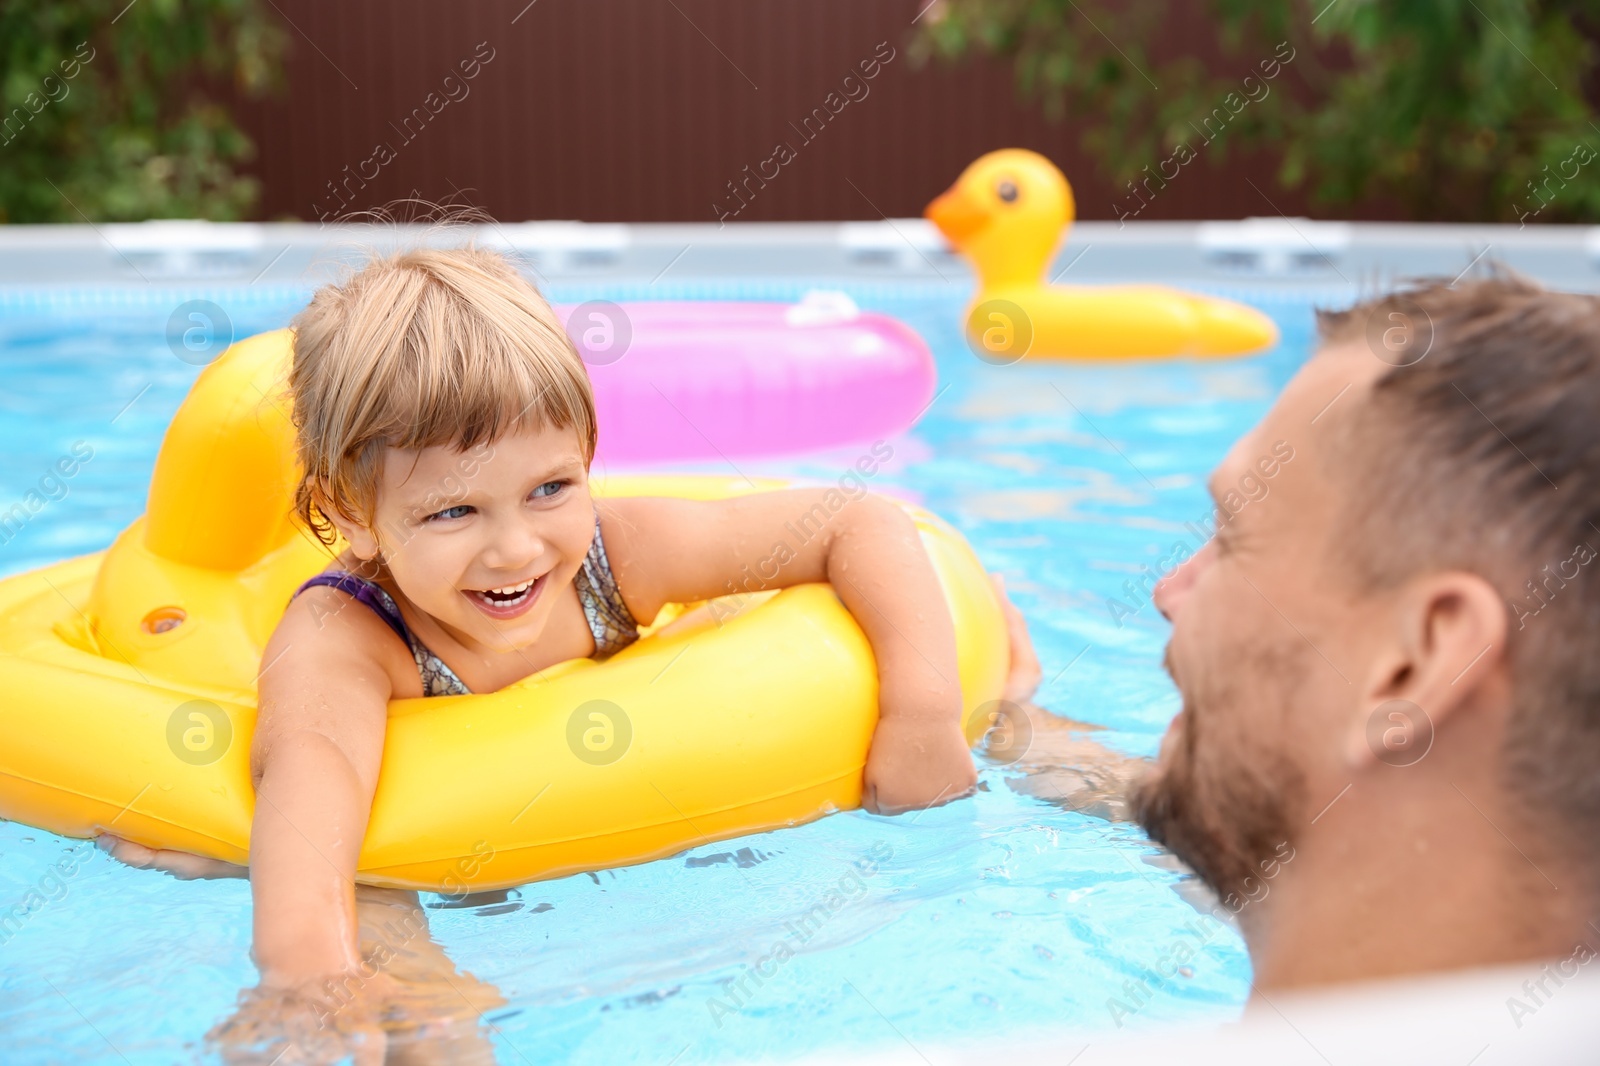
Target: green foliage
<point x="109" y="109"/>
<point x="1468" y="111"/>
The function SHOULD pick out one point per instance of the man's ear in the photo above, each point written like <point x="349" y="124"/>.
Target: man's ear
<point x="1445" y="644"/>
<point x="357" y="535"/>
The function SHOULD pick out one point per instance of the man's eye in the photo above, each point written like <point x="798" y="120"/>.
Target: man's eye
<point x="549" y="488"/>
<point x="450" y="512"/>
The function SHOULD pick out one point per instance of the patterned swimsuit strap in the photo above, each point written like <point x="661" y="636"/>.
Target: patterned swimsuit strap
<point x="610" y="622"/>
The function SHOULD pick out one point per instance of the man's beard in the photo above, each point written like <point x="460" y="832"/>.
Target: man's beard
<point x="1230" y="813"/>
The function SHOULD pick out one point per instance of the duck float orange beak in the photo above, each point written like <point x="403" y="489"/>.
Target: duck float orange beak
<point x="1007" y="213"/>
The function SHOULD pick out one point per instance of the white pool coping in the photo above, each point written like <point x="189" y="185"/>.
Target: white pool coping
<point x="1275" y="253"/>
<point x="1544" y="1013"/>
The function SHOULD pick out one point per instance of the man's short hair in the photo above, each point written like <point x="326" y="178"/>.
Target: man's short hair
<point x="1483" y="454"/>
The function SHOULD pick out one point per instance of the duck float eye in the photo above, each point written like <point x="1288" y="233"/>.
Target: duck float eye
<point x="1007" y="191"/>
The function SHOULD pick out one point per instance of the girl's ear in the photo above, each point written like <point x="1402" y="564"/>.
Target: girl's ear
<point x="359" y="537"/>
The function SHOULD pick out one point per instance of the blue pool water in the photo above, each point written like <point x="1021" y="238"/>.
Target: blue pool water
<point x="989" y="917"/>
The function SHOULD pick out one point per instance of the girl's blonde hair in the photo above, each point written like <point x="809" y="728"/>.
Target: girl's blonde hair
<point x="447" y="347"/>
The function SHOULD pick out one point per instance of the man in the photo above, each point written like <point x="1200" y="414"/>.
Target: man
<point x="1391" y="693"/>
<point x="1387" y="764"/>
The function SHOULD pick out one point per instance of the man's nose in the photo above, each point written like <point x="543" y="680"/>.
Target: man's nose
<point x="1174" y="586"/>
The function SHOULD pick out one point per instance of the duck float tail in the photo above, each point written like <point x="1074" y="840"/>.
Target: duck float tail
<point x="1007" y="213"/>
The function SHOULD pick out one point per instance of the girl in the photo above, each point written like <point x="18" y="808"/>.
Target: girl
<point x="445" y="428"/>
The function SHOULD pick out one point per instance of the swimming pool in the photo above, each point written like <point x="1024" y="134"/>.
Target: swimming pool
<point x="990" y="916"/>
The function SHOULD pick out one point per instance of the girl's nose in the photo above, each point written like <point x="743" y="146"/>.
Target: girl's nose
<point x="514" y="546"/>
<point x="1173" y="588"/>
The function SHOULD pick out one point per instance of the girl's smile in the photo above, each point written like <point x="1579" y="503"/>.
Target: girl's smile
<point x="509" y="602"/>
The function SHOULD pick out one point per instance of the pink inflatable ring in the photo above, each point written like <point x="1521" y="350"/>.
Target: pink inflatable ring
<point x="689" y="380"/>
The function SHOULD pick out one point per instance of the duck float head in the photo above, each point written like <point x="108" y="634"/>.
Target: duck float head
<point x="1007" y="213"/>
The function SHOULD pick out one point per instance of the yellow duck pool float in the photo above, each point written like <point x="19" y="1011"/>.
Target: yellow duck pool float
<point x="1007" y="213"/>
<point x="130" y="677"/>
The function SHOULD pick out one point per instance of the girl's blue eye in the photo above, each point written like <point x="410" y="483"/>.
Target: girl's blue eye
<point x="460" y="510"/>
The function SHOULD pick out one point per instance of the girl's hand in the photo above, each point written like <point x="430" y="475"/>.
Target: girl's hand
<point x="180" y="864"/>
<point x="290" y="1025"/>
<point x="405" y="1001"/>
<point x="916" y="763"/>
<point x="1023" y="678"/>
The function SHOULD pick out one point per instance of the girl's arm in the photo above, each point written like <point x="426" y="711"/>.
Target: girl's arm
<point x="314" y="761"/>
<point x="673" y="551"/>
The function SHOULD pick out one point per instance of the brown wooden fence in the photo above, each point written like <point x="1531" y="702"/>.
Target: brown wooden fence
<point x="652" y="111"/>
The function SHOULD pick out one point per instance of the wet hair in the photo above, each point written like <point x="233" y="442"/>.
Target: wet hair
<point x="1484" y="455"/>
<point x="419" y="348"/>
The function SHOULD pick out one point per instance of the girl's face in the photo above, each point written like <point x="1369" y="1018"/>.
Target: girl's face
<point x="484" y="540"/>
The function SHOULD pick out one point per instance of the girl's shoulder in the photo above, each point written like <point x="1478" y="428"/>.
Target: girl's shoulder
<point x="625" y="524"/>
<point x="648" y="541"/>
<point x="349" y="624"/>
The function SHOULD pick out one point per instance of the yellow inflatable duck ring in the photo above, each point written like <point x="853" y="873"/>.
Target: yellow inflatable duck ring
<point x="131" y="696"/>
<point x="1006" y="213"/>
